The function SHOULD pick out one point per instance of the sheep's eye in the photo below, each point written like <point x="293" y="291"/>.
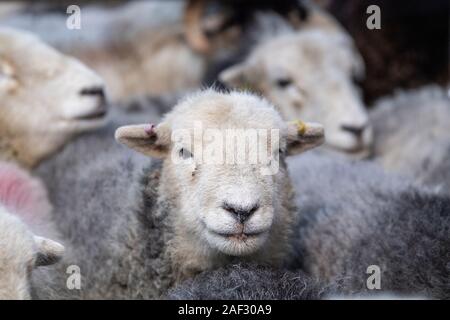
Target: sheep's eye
<point x="185" y="154"/>
<point x="284" y="82"/>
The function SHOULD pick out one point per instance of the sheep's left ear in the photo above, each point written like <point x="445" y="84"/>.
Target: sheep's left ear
<point x="48" y="251"/>
<point x="149" y="139"/>
<point x="303" y="136"/>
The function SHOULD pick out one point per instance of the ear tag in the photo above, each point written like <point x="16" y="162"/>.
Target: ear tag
<point x="301" y="127"/>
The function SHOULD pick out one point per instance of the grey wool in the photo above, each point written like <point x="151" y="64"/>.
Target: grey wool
<point x="353" y="215"/>
<point x="251" y="282"/>
<point x="101" y="198"/>
<point x="411" y="130"/>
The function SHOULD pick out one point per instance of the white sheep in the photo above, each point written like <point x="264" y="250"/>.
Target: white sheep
<point x="308" y="73"/>
<point x="411" y="129"/>
<point x="45" y="98"/>
<point x="352" y="217"/>
<point x="138" y="47"/>
<point x="138" y="229"/>
<point x="24" y="219"/>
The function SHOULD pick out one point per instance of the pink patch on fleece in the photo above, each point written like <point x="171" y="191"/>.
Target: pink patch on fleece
<point x="24" y="195"/>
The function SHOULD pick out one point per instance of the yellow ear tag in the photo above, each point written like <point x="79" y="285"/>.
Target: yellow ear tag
<point x="301" y="126"/>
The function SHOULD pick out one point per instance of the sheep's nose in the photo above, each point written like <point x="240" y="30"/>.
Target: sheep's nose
<point x="355" y="130"/>
<point x="93" y="91"/>
<point x="240" y="213"/>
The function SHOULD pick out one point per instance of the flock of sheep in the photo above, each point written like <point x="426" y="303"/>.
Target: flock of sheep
<point x="139" y="225"/>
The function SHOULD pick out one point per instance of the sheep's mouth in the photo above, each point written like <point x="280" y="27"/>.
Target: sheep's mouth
<point x="97" y="115"/>
<point x="358" y="153"/>
<point x="240" y="236"/>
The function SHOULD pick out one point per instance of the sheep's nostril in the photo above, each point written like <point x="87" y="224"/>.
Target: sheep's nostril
<point x="356" y="130"/>
<point x="240" y="213"/>
<point x="93" y="91"/>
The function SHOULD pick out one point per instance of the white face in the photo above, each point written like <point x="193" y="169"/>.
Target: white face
<point x="309" y="75"/>
<point x="20" y="253"/>
<point x="233" y="207"/>
<point x="46" y="97"/>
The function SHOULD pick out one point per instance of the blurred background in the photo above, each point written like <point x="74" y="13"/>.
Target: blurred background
<point x="410" y="49"/>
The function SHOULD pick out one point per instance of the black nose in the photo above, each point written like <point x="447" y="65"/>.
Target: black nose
<point x="356" y="130"/>
<point x="240" y="213"/>
<point x="93" y="91"/>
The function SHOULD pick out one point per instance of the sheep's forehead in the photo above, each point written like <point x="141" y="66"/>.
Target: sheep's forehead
<point x="305" y="49"/>
<point x="24" y="51"/>
<point x="225" y="111"/>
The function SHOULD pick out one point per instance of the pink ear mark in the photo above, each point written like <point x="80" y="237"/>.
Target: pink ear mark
<point x="24" y="195"/>
<point x="150" y="129"/>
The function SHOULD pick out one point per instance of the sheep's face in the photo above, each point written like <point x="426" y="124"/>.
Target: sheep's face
<point x="309" y="75"/>
<point x="20" y="253"/>
<point x="45" y="97"/>
<point x="228" y="198"/>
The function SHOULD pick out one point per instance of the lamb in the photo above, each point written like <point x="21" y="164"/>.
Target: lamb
<point x="352" y="216"/>
<point x="412" y="135"/>
<point x="46" y="98"/>
<point x="311" y="77"/>
<point x="24" y="214"/>
<point x="146" y="228"/>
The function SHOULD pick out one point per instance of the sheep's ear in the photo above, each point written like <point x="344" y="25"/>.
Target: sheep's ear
<point x="303" y="136"/>
<point x="236" y="76"/>
<point x="48" y="251"/>
<point x="151" y="140"/>
<point x="8" y="82"/>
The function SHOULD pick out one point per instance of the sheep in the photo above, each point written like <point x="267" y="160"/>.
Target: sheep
<point x="137" y="47"/>
<point x="411" y="129"/>
<point x="156" y="47"/>
<point x="45" y="99"/>
<point x="352" y="216"/>
<point x="309" y="73"/>
<point x="24" y="210"/>
<point x="139" y="228"/>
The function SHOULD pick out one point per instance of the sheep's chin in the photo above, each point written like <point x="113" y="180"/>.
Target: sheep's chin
<point x="235" y="245"/>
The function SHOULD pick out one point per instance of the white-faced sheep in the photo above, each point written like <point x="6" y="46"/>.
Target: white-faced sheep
<point x="24" y="219"/>
<point x="138" y="229"/>
<point x="352" y="216"/>
<point x="137" y="47"/>
<point x="308" y="73"/>
<point x="45" y="98"/>
<point x="411" y="130"/>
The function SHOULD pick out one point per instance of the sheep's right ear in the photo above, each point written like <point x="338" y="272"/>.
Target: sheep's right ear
<point x="48" y="251"/>
<point x="236" y="76"/>
<point x="153" y="141"/>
